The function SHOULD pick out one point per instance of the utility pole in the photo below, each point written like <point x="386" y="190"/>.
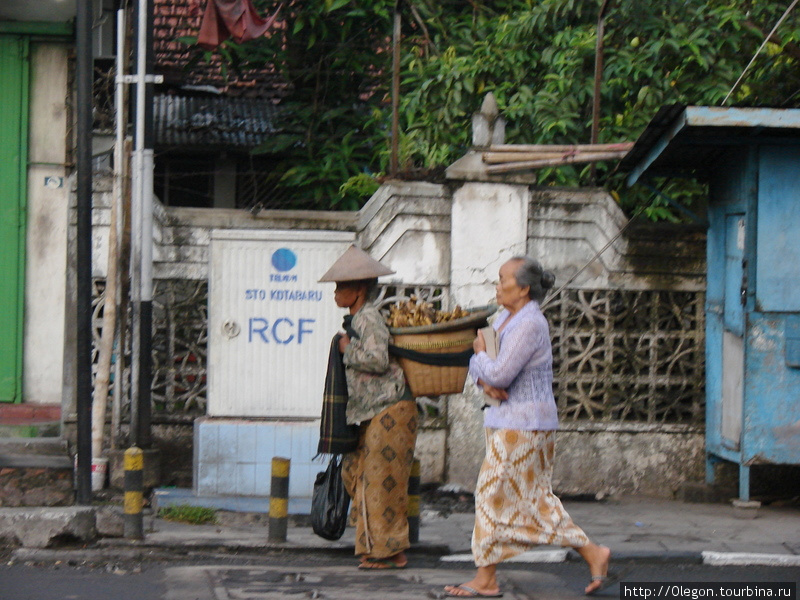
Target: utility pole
<point x="84" y="74"/>
<point x="142" y="231"/>
<point x="394" y="159"/>
<point x="598" y="78"/>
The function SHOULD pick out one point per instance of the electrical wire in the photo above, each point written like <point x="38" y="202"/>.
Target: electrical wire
<point x="555" y="294"/>
<point x="760" y="48"/>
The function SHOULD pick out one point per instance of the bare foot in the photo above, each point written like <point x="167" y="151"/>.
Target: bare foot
<point x="598" y="557"/>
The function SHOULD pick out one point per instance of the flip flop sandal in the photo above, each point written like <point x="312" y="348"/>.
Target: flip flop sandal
<point x="379" y="564"/>
<point x="471" y="593"/>
<point x="606" y="581"/>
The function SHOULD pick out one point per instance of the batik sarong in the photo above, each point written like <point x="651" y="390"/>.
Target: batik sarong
<point x="515" y="508"/>
<point x="376" y="477"/>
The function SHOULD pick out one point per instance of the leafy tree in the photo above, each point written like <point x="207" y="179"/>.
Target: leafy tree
<point x="536" y="56"/>
<point x="331" y="56"/>
<point x="538" y="60"/>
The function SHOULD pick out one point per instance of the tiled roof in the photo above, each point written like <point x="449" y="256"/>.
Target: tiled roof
<point x="212" y="122"/>
<point x="174" y="19"/>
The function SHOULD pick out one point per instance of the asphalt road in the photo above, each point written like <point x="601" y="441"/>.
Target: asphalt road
<point x="277" y="575"/>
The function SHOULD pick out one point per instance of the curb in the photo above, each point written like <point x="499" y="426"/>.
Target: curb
<point x="117" y="549"/>
<point x="725" y="559"/>
<point x="426" y="549"/>
<point x="123" y="549"/>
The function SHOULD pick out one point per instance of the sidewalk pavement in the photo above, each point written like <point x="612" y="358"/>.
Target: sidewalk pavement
<point x="638" y="531"/>
<point x="634" y="528"/>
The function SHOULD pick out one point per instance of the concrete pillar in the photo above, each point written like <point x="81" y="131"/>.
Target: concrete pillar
<point x="46" y="244"/>
<point x="489" y="226"/>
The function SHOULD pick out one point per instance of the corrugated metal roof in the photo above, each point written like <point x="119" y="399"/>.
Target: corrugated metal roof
<point x="219" y="122"/>
<point x="692" y="140"/>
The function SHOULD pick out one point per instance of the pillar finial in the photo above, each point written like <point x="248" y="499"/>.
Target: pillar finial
<point x="488" y="127"/>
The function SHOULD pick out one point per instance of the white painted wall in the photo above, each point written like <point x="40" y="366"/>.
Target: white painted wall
<point x="46" y="244"/>
<point x="407" y="227"/>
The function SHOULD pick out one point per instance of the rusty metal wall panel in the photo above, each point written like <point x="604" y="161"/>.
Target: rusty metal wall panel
<point x="778" y="249"/>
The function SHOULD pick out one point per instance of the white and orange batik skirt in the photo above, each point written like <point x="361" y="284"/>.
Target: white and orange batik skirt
<point x="515" y="508"/>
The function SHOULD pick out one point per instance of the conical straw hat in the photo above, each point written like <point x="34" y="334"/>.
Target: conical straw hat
<point x="353" y="265"/>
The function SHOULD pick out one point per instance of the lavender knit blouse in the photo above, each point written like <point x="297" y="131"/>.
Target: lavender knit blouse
<point x="524" y="368"/>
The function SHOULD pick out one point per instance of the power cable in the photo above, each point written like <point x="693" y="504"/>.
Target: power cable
<point x="760" y="48"/>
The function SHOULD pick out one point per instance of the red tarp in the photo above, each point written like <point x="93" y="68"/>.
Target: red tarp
<point x="236" y="19"/>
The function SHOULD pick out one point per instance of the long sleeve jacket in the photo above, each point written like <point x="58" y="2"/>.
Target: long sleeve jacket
<point x="375" y="380"/>
<point x="524" y="368"/>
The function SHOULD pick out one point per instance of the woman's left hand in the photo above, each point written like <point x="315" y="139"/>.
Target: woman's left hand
<point x="496" y="393"/>
<point x="479" y="345"/>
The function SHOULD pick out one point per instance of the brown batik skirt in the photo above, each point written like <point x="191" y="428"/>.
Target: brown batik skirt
<point x="515" y="508"/>
<point x="376" y="477"/>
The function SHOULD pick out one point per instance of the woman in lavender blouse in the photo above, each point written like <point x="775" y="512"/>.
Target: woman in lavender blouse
<point x="515" y="508"/>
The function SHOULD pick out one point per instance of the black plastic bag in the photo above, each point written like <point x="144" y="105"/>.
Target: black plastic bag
<point x="330" y="502"/>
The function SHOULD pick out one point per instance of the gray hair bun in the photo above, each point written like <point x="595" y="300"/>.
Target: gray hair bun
<point x="531" y="274"/>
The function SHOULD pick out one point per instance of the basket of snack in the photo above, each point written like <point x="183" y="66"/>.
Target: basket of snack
<point x="432" y="346"/>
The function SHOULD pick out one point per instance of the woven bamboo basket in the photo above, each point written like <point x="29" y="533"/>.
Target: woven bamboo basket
<point x="440" y="338"/>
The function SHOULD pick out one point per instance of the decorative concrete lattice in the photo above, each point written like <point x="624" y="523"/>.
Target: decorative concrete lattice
<point x="180" y="344"/>
<point x="634" y="356"/>
<point x="619" y="355"/>
<point x="103" y="87"/>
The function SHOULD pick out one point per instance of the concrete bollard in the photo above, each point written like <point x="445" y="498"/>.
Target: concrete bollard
<point x="133" y="519"/>
<point x="279" y="500"/>
<point x="413" y="502"/>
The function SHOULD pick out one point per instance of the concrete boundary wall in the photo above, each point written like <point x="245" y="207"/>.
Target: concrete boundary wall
<point x="455" y="237"/>
<point x="566" y="229"/>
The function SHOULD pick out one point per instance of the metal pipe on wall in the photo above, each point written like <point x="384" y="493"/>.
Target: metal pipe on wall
<point x="84" y="74"/>
<point x="119" y="185"/>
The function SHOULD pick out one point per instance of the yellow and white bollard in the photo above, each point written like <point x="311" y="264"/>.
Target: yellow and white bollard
<point x="279" y="500"/>
<point x="133" y="520"/>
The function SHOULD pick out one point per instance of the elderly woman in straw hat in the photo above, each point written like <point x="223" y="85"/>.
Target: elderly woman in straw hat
<point x="376" y="473"/>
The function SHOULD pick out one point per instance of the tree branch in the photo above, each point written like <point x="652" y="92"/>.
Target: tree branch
<point x="790" y="48"/>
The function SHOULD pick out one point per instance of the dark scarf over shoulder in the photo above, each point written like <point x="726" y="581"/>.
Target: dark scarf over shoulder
<point x="335" y="435"/>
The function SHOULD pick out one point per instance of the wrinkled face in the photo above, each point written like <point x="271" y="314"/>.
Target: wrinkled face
<point x="347" y="293"/>
<point x="508" y="293"/>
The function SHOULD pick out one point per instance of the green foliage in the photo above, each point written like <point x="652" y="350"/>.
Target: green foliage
<point x="538" y="60"/>
<point x="330" y="54"/>
<point x="536" y="56"/>
<point x="196" y="515"/>
<point x="359" y="187"/>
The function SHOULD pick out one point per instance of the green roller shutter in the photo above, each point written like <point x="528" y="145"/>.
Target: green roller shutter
<point x="13" y="175"/>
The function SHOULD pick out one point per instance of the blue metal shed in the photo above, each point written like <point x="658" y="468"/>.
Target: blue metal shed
<point x="751" y="159"/>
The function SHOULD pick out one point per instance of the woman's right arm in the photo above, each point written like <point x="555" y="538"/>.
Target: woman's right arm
<point x="518" y="347"/>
